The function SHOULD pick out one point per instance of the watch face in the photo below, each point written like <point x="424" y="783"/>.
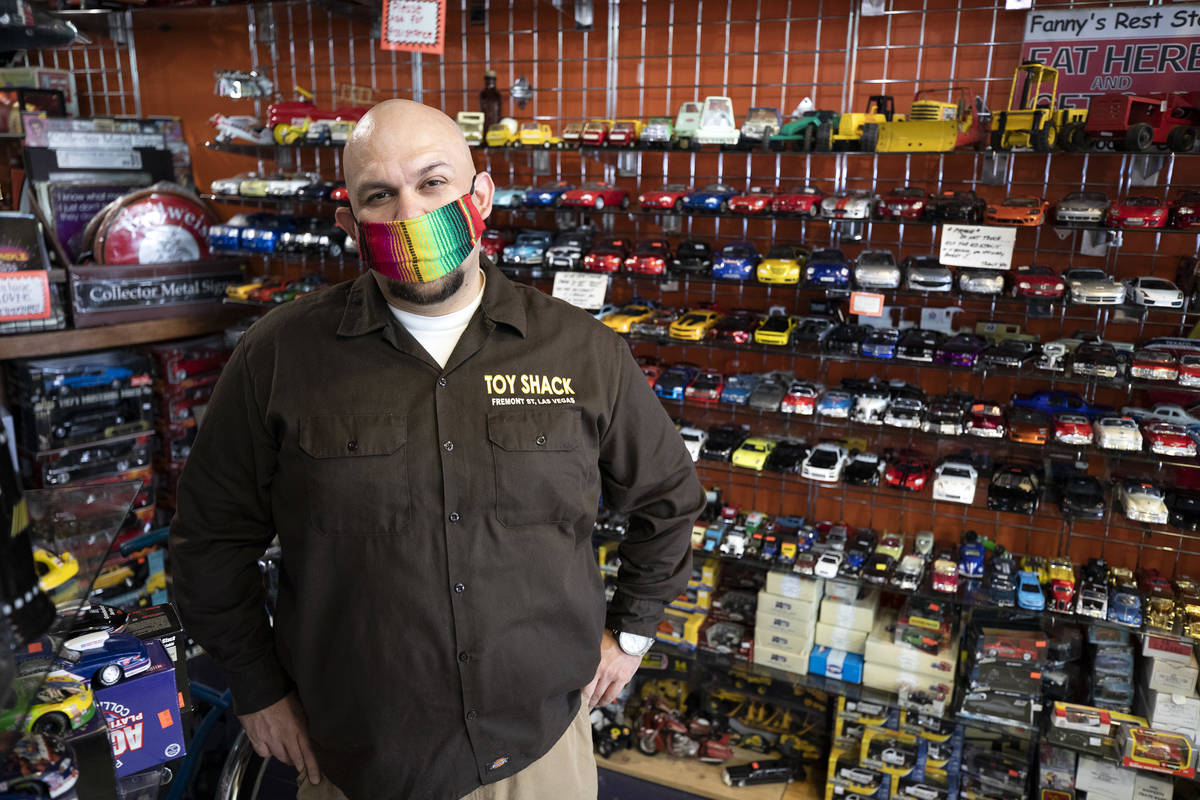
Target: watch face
<point x="633" y="644"/>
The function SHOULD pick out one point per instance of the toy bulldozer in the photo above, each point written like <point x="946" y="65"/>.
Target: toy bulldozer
<point x="847" y="131"/>
<point x="1031" y="121"/>
<point x="933" y="125"/>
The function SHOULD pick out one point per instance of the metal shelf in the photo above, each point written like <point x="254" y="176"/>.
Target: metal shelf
<point x="271" y="202"/>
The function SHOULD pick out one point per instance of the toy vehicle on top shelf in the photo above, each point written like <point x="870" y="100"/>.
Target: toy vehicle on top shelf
<point x="1028" y="121"/>
<point x="625" y="133"/>
<point x="932" y="125"/>
<point x="537" y="134"/>
<point x="657" y="133"/>
<point x="300" y="121"/>
<point x="761" y="123"/>
<point x="1138" y="124"/>
<point x="845" y="131"/>
<point x="717" y="123"/>
<point x="471" y="125"/>
<point x="687" y="123"/>
<point x="595" y="133"/>
<point x="800" y="132"/>
<point x="502" y="134"/>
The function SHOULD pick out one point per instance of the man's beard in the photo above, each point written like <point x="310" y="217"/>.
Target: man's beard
<point x="427" y="294"/>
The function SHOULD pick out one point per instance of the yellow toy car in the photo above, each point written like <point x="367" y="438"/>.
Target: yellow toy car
<point x="502" y="134"/>
<point x="777" y="329"/>
<point x="255" y="186"/>
<point x="537" y="134"/>
<point x="242" y="291"/>
<point x="58" y="705"/>
<point x="783" y="264"/>
<point x="53" y="570"/>
<point x="1061" y="570"/>
<point x="627" y="316"/>
<point x="1036" y="565"/>
<point x="753" y="453"/>
<point x="694" y="325"/>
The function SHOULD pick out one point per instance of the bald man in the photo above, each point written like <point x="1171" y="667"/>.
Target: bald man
<point x="430" y="443"/>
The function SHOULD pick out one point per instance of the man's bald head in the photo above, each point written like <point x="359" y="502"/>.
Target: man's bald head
<point x="396" y="128"/>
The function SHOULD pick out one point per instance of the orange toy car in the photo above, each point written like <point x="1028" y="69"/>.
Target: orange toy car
<point x="1017" y="211"/>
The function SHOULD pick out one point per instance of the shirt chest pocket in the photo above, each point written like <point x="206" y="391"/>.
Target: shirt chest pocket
<point x="541" y="466"/>
<point x="356" y="478"/>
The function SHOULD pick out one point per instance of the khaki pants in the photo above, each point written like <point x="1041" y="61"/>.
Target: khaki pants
<point x="568" y="770"/>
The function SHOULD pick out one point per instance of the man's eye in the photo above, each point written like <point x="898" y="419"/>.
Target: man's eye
<point x="433" y="183"/>
<point x="371" y="198"/>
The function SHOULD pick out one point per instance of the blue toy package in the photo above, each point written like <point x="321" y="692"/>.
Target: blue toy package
<point x="837" y="664"/>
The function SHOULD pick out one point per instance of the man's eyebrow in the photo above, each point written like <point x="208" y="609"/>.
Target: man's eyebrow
<point x="370" y="186"/>
<point x="431" y="166"/>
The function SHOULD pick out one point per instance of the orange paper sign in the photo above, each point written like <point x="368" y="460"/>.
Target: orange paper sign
<point x="418" y="26"/>
<point x="24" y="295"/>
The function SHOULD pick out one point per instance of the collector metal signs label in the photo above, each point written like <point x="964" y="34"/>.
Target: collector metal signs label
<point x="1136" y="49"/>
<point x="118" y="294"/>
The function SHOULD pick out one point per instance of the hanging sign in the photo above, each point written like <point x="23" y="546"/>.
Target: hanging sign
<point x="418" y="26"/>
<point x="581" y="289"/>
<point x="981" y="246"/>
<point x="1128" y="49"/>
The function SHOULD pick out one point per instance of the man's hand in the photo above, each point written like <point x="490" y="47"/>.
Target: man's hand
<point x="615" y="670"/>
<point x="281" y="731"/>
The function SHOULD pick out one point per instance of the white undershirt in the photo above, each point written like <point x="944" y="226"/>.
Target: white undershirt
<point x="439" y="335"/>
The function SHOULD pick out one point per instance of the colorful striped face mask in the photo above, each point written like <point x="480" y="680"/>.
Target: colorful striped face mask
<point x="424" y="248"/>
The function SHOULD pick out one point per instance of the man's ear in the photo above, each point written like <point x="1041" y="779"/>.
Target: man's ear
<point x="484" y="190"/>
<point x="343" y="217"/>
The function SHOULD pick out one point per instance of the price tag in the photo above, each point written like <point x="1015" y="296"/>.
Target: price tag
<point x="867" y="304"/>
<point x="24" y="295"/>
<point x="980" y="246"/>
<point x="582" y="289"/>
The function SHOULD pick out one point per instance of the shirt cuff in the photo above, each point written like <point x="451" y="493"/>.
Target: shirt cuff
<point x="630" y="615"/>
<point x="262" y="684"/>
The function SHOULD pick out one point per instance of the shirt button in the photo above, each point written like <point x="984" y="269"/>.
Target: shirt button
<point x="541" y="439"/>
<point x="458" y="587"/>
<point x="442" y="382"/>
<point x="447" y="446"/>
<point x="352" y="445"/>
<point x="454" y="517"/>
<point x="463" y="657"/>
<point x="472" y="714"/>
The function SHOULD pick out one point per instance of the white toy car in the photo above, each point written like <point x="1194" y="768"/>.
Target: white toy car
<point x="1142" y="502"/>
<point x="693" y="440"/>
<point x="1089" y="286"/>
<point x="870" y="405"/>
<point x="1092" y="603"/>
<point x="289" y="185"/>
<point x="981" y="281"/>
<point x="825" y="462"/>
<point x="1054" y="356"/>
<point x="717" y="123"/>
<point x="857" y="204"/>
<point x="230" y="186"/>
<point x="1118" y="433"/>
<point x="904" y="412"/>
<point x="734" y="543"/>
<point x="876" y="269"/>
<point x="908" y="574"/>
<point x="828" y="564"/>
<point x="1169" y="412"/>
<point x="1153" y="292"/>
<point x="955" y="482"/>
<point x="510" y="196"/>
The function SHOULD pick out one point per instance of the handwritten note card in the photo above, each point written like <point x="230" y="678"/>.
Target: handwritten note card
<point x="978" y="246"/>
<point x="581" y="289"/>
<point x="418" y="26"/>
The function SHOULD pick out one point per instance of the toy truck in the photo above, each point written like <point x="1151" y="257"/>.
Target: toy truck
<point x="933" y="125"/>
<point x="717" y="123"/>
<point x="1031" y="120"/>
<point x="846" y="132"/>
<point x="1137" y="124"/>
<point x="471" y="125"/>
<point x="800" y="132"/>
<point x="686" y="124"/>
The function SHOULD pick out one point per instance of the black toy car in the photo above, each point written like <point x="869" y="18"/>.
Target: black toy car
<point x="864" y="469"/>
<point x="947" y="414"/>
<point x="786" y="457"/>
<point x="722" y="441"/>
<point x="737" y="326"/>
<point x="957" y="207"/>
<point x="919" y="345"/>
<point x="846" y="339"/>
<point x="1010" y="354"/>
<point x="811" y="332"/>
<point x="692" y="256"/>
<point x="779" y="770"/>
<point x="770" y="391"/>
<point x="1099" y="359"/>
<point x="1094" y="573"/>
<point x="878" y="568"/>
<point x="568" y="249"/>
<point x="318" y="190"/>
<point x="1080" y="495"/>
<point x="1015" y="487"/>
<point x="1184" y="511"/>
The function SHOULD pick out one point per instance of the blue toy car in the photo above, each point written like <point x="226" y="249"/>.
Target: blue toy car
<point x="738" y="388"/>
<point x="548" y="195"/>
<point x="1054" y="401"/>
<point x="828" y="268"/>
<point x="264" y="232"/>
<point x="736" y="262"/>
<point x="672" y="383"/>
<point x="529" y="248"/>
<point x="712" y="537"/>
<point x="1002" y="592"/>
<point x="714" y="197"/>
<point x="1029" y="591"/>
<point x="835" y="404"/>
<point x="1125" y="607"/>
<point x="108" y="657"/>
<point x="970" y="560"/>
<point x="881" y="343"/>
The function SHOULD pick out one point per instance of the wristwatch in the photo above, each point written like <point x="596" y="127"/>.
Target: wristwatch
<point x="633" y="644"/>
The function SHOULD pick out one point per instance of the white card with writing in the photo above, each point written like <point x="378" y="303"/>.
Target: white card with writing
<point x="980" y="246"/>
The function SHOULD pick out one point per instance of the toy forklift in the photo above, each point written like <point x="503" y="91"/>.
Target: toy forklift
<point x="846" y="132"/>
<point x="1032" y="121"/>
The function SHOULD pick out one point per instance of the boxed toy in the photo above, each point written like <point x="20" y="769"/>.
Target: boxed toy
<point x="839" y="638"/>
<point x="680" y="628"/>
<point x="837" y="664"/>
<point x="1173" y="712"/>
<point x="778" y="606"/>
<point x="794" y="586"/>
<point x="692" y="599"/>
<point x="998" y="644"/>
<point x="143" y="714"/>
<point x="881" y="648"/>
<point x="734" y="605"/>
<point x="114" y="458"/>
<point x="858" y="614"/>
<point x="727" y="638"/>
<point x="1169" y="648"/>
<point x="1001" y="706"/>
<point x="188" y="363"/>
<point x="785" y="660"/>
<point x="799" y="642"/>
<point x="1168" y="675"/>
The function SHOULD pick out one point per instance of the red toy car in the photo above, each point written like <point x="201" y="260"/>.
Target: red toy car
<point x="909" y="470"/>
<point x="1154" y="365"/>
<point x="494" y="240"/>
<point x="1168" y="439"/>
<point x="903" y="202"/>
<point x="1036" y="280"/>
<point x="293" y="121"/>
<point x="650" y="257"/>
<point x="269" y="288"/>
<point x="705" y="388"/>
<point x="668" y="198"/>
<point x="607" y="255"/>
<point x="1185" y="211"/>
<point x="652" y="368"/>
<point x="945" y="576"/>
<point x="801" y="398"/>
<point x="1061" y="594"/>
<point x="985" y="419"/>
<point x="1137" y="123"/>
<point x="1153" y="583"/>
<point x="595" y="133"/>
<point x="758" y="200"/>
<point x="1074" y="429"/>
<point x="1189" y="370"/>
<point x="1137" y="212"/>
<point x="1010" y="650"/>
<point x="595" y="195"/>
<point x="800" y="200"/>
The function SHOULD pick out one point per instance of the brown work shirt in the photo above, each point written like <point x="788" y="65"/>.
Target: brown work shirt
<point x="439" y="604"/>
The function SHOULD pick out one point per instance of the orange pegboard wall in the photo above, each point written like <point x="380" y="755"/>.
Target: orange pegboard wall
<point x="643" y="59"/>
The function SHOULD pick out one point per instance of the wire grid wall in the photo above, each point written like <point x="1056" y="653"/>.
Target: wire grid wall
<point x="105" y="70"/>
<point x="644" y="58"/>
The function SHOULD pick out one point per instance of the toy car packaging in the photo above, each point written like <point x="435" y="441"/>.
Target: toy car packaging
<point x="77" y="399"/>
<point x="837" y="664"/>
<point x="119" y="458"/>
<point x="892" y="752"/>
<point x="726" y="638"/>
<point x="143" y="713"/>
<point x="181" y="365"/>
<point x="995" y="644"/>
<point x="929" y="788"/>
<point x="680" y="628"/>
<point x="1157" y="750"/>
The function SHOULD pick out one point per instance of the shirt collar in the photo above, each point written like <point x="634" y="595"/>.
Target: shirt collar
<point x="367" y="309"/>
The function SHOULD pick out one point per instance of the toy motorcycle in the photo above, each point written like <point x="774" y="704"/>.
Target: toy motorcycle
<point x="660" y="729"/>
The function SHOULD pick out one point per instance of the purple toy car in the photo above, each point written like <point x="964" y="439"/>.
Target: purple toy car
<point x="961" y="351"/>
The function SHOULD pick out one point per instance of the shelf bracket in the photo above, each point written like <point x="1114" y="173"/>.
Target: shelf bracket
<point x="995" y="168"/>
<point x="541" y="162"/>
<point x="1144" y="169"/>
<point x="629" y="163"/>
<point x="671" y="224"/>
<point x="1095" y="243"/>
